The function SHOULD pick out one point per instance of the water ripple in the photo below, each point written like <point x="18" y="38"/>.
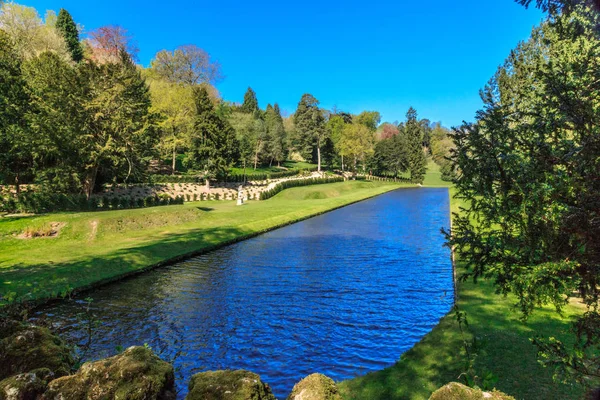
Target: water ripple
<point x="344" y="293"/>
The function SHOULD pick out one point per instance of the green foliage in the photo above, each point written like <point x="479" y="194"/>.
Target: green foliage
<point x="250" y="104"/>
<point x="213" y="143"/>
<point x="310" y="126"/>
<point x="66" y="26"/>
<point x="15" y="145"/>
<point x="417" y="164"/>
<point x="529" y="173"/>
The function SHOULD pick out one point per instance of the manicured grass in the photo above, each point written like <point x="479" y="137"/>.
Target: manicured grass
<point x="97" y="246"/>
<point x="504" y="348"/>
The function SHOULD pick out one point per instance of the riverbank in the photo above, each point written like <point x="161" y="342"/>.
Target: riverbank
<point x="503" y="347"/>
<point x="91" y="248"/>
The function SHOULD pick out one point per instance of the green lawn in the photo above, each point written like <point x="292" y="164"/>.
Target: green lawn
<point x="98" y="246"/>
<point x="504" y="347"/>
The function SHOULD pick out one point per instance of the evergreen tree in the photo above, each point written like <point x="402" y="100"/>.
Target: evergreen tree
<point x="414" y="140"/>
<point x="310" y="125"/>
<point x="15" y="138"/>
<point x="275" y="134"/>
<point x="66" y="26"/>
<point x="250" y="105"/>
<point x="121" y="129"/>
<point x="57" y="94"/>
<point x="214" y="147"/>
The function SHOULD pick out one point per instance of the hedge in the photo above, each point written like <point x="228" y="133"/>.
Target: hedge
<point x="34" y="202"/>
<point x="267" y="194"/>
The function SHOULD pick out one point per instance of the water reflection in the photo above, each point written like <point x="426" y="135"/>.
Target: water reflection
<point x="343" y="294"/>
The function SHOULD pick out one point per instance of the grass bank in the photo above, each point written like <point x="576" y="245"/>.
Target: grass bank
<point x="95" y="247"/>
<point x="504" y="348"/>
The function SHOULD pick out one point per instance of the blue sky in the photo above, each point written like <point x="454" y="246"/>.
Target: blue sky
<point x="377" y="55"/>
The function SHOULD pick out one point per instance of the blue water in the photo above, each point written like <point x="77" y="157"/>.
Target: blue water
<point x="343" y="294"/>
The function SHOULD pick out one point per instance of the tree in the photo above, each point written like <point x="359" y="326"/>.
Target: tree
<point x="214" y="147"/>
<point x="57" y="93"/>
<point x="121" y="132"/>
<point x="31" y="36"/>
<point x="175" y="103"/>
<point x="15" y="145"/>
<point x="414" y="140"/>
<point x="66" y="26"/>
<point x="189" y="65"/>
<point x="529" y="173"/>
<point x="275" y="134"/>
<point x="356" y="143"/>
<point x="107" y="43"/>
<point x="370" y="119"/>
<point x="335" y="127"/>
<point x="310" y="125"/>
<point x="250" y="104"/>
<point x="388" y="131"/>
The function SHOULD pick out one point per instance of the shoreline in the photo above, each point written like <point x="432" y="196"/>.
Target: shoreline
<point x="76" y="291"/>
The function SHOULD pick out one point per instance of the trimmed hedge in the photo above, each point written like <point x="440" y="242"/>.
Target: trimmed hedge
<point x="267" y="194"/>
<point x="33" y="202"/>
<point x="260" y="176"/>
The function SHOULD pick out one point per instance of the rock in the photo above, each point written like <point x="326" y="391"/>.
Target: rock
<point x="27" y="386"/>
<point x="315" y="387"/>
<point x="458" y="391"/>
<point x="136" y="374"/>
<point x="24" y="348"/>
<point x="230" y="385"/>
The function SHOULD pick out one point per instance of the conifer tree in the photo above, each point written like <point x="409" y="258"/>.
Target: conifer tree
<point x="66" y="26"/>
<point x="15" y="141"/>
<point x="414" y="137"/>
<point x="214" y="147"/>
<point x="250" y="105"/>
<point x="310" y="124"/>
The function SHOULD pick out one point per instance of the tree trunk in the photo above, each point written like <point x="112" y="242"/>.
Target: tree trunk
<point x="90" y="181"/>
<point x="174" y="161"/>
<point x="256" y="155"/>
<point x="318" y="158"/>
<point x="342" y="163"/>
<point x="17" y="185"/>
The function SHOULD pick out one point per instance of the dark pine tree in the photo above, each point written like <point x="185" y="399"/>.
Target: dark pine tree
<point x="66" y="26"/>
<point x="214" y="147"/>
<point x="250" y="105"/>
<point x="414" y="139"/>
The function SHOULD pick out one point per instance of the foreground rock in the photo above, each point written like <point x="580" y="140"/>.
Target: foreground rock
<point x="230" y="385"/>
<point x="458" y="391"/>
<point x="315" y="387"/>
<point x="24" y="348"/>
<point x="136" y="374"/>
<point x="27" y="386"/>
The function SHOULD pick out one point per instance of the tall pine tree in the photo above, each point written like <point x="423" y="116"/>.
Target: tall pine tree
<point x="66" y="26"/>
<point x="15" y="138"/>
<point x="310" y="125"/>
<point x="214" y="147"/>
<point x="250" y="105"/>
<point x="414" y="138"/>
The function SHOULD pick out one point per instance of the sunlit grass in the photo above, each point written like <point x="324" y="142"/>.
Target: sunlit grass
<point x="97" y="246"/>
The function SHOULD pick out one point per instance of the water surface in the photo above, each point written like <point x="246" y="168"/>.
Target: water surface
<point x="343" y="294"/>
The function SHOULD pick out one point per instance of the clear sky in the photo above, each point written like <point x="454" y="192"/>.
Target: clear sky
<point x="357" y="55"/>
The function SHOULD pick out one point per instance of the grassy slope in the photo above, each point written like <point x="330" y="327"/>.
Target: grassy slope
<point x="504" y="348"/>
<point x="96" y="246"/>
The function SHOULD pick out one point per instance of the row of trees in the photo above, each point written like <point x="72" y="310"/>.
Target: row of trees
<point x="80" y="113"/>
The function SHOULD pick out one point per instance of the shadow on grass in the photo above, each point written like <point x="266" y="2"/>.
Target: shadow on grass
<point x="503" y="348"/>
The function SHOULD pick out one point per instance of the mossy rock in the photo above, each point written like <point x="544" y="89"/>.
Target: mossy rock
<point x="28" y="386"/>
<point x="135" y="374"/>
<point x="228" y="385"/>
<point x="24" y="348"/>
<point x="315" y="387"/>
<point x="458" y="391"/>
